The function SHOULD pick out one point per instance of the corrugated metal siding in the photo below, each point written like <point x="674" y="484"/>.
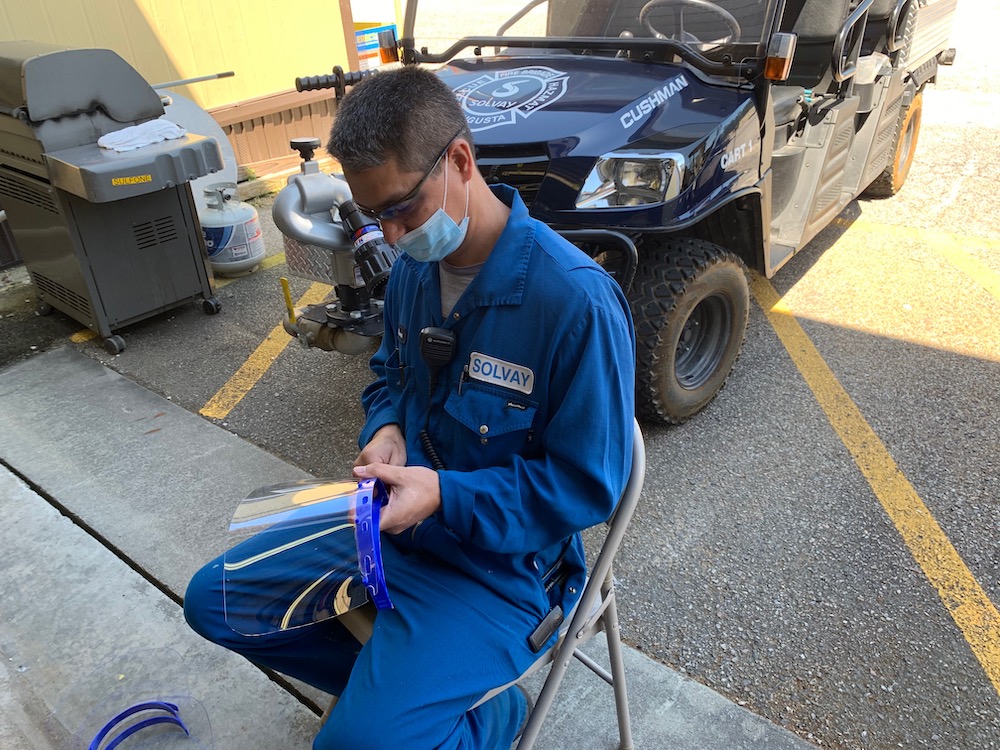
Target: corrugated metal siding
<point x="266" y="42"/>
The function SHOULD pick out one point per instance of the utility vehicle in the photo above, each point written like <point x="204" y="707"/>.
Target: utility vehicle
<point x="684" y="141"/>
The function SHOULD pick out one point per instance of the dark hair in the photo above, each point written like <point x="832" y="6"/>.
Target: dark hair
<point x="408" y="113"/>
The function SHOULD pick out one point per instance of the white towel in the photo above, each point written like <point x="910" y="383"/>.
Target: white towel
<point x="137" y="136"/>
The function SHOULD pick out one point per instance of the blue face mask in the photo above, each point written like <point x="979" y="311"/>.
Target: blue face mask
<point x="439" y="236"/>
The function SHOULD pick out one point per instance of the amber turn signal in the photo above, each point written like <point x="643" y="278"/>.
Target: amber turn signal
<point x="780" y="52"/>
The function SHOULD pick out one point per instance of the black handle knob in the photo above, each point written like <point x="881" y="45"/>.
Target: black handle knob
<point x="337" y="80"/>
<point x="315" y="83"/>
<point x="305" y="146"/>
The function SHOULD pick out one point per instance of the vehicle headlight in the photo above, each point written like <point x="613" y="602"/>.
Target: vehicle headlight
<point x="632" y="179"/>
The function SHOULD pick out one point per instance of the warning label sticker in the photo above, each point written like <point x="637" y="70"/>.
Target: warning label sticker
<point x="135" y="179"/>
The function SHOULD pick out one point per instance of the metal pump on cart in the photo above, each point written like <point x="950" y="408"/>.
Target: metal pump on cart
<point x="328" y="239"/>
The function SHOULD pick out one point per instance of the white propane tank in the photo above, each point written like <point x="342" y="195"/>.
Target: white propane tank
<point x="231" y="230"/>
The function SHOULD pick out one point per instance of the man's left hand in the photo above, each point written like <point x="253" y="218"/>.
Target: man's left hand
<point x="414" y="494"/>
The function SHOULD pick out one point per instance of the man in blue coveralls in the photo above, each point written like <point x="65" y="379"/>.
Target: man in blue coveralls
<point x="497" y="448"/>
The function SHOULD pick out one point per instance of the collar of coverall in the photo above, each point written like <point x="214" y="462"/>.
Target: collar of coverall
<point x="502" y="278"/>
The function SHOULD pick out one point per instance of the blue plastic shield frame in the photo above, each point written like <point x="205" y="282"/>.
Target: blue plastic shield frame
<point x="137" y="698"/>
<point x="313" y="553"/>
<point x="371" y="495"/>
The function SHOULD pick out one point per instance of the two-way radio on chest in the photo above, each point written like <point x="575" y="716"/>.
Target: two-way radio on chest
<point x="437" y="349"/>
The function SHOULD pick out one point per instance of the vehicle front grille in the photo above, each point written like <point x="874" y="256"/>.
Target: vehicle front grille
<point x="522" y="167"/>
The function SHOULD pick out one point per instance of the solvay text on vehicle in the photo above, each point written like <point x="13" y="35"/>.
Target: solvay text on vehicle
<point x="644" y="107"/>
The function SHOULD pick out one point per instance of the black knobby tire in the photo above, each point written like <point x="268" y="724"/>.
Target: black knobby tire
<point x="892" y="178"/>
<point x="690" y="302"/>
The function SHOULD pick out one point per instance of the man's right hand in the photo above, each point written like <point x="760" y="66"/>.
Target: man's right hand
<point x="387" y="446"/>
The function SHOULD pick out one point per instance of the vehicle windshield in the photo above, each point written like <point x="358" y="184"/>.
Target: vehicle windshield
<point x="710" y="28"/>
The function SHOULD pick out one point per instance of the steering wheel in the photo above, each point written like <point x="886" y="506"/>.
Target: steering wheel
<point x="685" y="36"/>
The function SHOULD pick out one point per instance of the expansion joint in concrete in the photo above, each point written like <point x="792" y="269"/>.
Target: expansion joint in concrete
<point x="146" y="575"/>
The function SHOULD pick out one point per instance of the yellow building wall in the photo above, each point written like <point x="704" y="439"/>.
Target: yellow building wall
<point x="267" y="43"/>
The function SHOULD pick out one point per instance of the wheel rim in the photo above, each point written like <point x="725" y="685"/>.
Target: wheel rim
<point x="703" y="341"/>
<point x="907" y="147"/>
<point x="907" y="144"/>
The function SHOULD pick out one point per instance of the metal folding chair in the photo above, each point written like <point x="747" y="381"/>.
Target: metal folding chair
<point x="595" y="611"/>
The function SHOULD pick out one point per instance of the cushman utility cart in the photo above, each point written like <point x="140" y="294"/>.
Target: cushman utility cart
<point x="678" y="141"/>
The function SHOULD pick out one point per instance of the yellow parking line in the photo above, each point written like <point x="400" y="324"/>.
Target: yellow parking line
<point x="85" y="335"/>
<point x="258" y="363"/>
<point x="946" y="244"/>
<point x="963" y="597"/>
<point x="914" y="233"/>
<point x="952" y="252"/>
<point x="269" y="262"/>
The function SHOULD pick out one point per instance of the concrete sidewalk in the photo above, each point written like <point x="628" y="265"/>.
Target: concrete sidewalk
<point x="111" y="497"/>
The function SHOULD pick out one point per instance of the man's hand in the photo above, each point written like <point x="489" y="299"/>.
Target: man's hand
<point x="414" y="494"/>
<point x="387" y="446"/>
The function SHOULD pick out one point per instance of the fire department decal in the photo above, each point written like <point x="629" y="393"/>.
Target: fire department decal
<point x="501" y="97"/>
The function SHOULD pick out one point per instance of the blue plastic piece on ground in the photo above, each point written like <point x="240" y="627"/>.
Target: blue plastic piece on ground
<point x="173" y="717"/>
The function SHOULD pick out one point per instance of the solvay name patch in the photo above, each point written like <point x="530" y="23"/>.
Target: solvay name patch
<point x="497" y="372"/>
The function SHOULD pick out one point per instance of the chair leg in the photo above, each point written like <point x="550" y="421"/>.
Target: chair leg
<point x="329" y="709"/>
<point x="548" y="694"/>
<point x="613" y="633"/>
<point x="360" y="622"/>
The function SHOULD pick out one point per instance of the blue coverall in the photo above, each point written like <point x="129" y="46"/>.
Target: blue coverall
<point x="533" y="420"/>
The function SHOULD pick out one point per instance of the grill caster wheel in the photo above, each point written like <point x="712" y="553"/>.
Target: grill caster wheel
<point x="114" y="344"/>
<point x="42" y="309"/>
<point x="211" y="306"/>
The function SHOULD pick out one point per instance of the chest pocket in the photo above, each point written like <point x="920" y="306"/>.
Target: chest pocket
<point x="395" y="370"/>
<point x="492" y="415"/>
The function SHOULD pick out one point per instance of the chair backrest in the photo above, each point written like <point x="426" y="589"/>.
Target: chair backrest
<point x="595" y="611"/>
<point x="588" y="613"/>
<point x="637" y="476"/>
<point x="620" y="519"/>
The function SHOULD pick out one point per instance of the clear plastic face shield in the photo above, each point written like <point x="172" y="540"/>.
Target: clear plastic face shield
<point x="140" y="698"/>
<point x="304" y="552"/>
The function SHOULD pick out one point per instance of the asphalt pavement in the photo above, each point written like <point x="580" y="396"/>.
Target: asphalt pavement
<point x="819" y="546"/>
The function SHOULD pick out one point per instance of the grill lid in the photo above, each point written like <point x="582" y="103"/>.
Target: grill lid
<point x="48" y="81"/>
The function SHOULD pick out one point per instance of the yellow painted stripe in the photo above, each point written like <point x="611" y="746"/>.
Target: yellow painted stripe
<point x="963" y="597"/>
<point x="979" y="272"/>
<point x="914" y="233"/>
<point x="946" y="244"/>
<point x="223" y="402"/>
<point x="85" y="335"/>
<point x="269" y="262"/>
